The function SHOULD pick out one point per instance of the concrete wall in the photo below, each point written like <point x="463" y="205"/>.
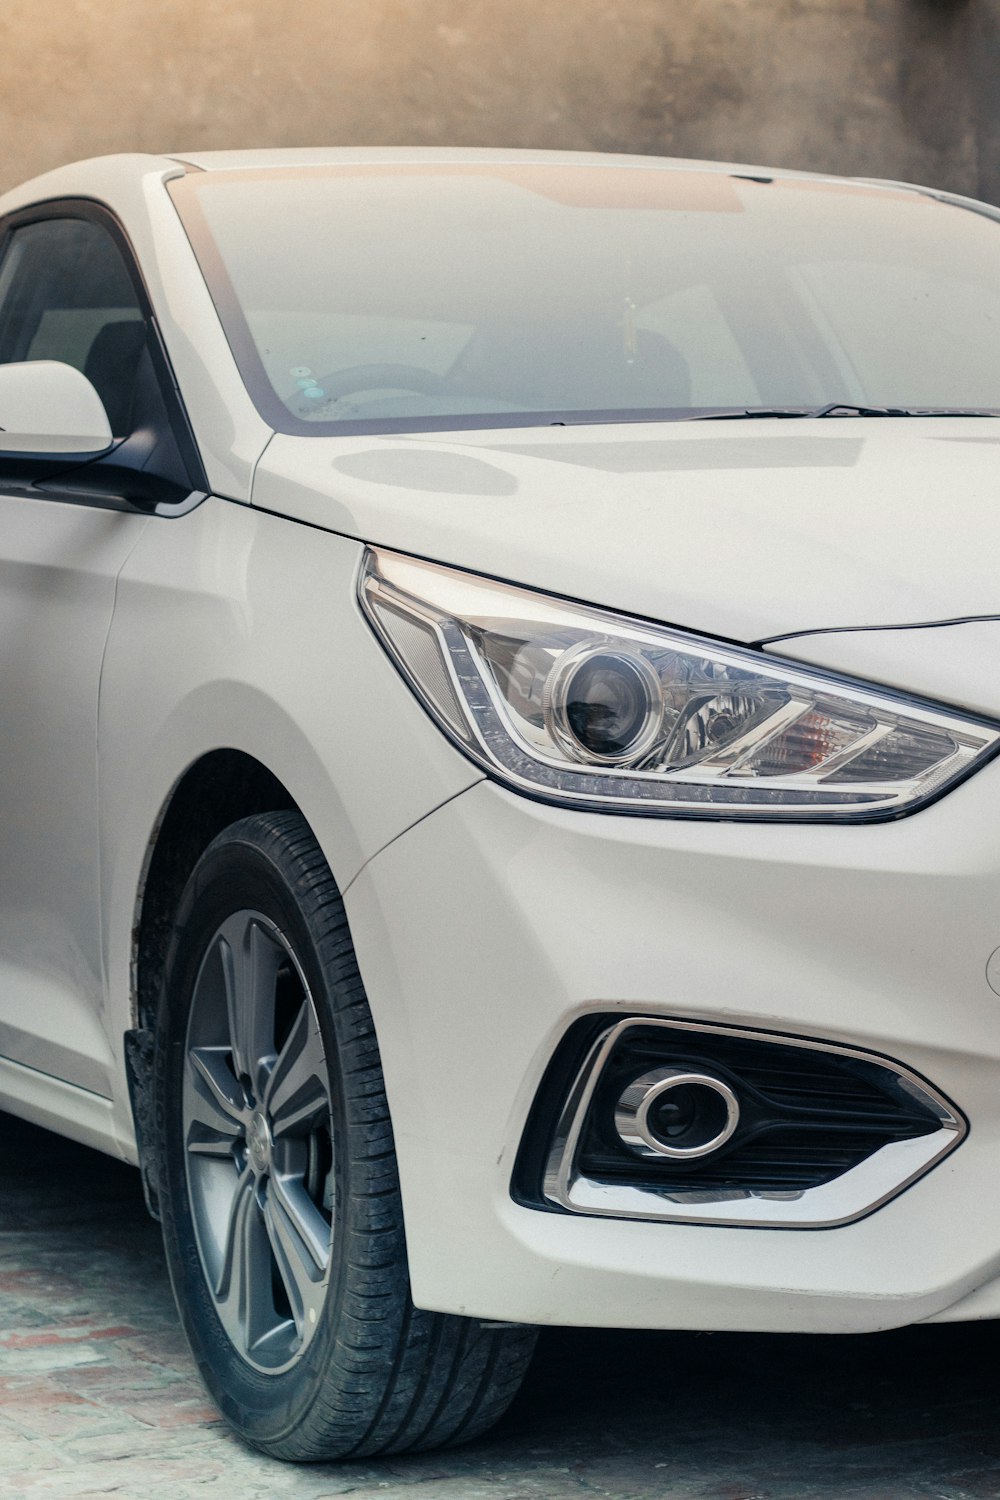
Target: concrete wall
<point x="898" y="88"/>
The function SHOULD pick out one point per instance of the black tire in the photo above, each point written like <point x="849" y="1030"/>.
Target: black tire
<point x="264" y="1165"/>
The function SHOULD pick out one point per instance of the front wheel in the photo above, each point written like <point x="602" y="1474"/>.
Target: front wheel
<point x="280" y="1198"/>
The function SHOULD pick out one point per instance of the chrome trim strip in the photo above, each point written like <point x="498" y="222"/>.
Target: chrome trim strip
<point x="854" y="1194"/>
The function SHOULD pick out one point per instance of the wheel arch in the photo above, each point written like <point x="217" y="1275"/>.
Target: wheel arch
<point x="218" y="788"/>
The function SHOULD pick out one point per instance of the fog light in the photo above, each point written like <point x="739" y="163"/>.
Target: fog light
<point x="647" y="1117"/>
<point x="675" y="1113"/>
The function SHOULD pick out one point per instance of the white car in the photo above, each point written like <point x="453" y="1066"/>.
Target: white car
<point x="498" y="777"/>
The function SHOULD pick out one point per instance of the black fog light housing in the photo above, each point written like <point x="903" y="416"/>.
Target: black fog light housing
<point x="648" y="1118"/>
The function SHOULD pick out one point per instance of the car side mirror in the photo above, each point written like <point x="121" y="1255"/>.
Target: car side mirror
<point x="50" y="410"/>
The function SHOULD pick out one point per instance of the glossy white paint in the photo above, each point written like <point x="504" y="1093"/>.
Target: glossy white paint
<point x="257" y="644"/>
<point x="944" y="661"/>
<point x="58" y="567"/>
<point x="737" y="529"/>
<point x="873" y="936"/>
<point x="47" y="1101"/>
<point x="320" y="156"/>
<point x="48" y="407"/>
<point x="485" y="923"/>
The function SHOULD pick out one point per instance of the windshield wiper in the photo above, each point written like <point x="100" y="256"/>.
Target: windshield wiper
<point x="834" y="408"/>
<point x="734" y="414"/>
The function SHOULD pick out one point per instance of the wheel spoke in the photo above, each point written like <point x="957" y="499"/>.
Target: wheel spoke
<point x="219" y="1097"/>
<point x="240" y="1205"/>
<point x="219" y="1148"/>
<point x="300" y="1242"/>
<point x="243" y="1288"/>
<point x="250" y="961"/>
<point x="214" y="1105"/>
<point x="296" y="1096"/>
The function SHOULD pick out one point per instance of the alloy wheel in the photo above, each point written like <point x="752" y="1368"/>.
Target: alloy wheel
<point x="259" y="1141"/>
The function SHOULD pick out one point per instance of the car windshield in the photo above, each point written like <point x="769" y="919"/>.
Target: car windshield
<point x="419" y="296"/>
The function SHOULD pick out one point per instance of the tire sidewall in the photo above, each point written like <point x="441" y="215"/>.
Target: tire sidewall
<point x="236" y="873"/>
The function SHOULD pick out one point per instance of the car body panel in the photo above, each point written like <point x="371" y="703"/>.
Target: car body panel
<point x="57" y="589"/>
<point x="738" y="529"/>
<point x="536" y="915"/>
<point x="303" y="690"/>
<point x="92" y="1119"/>
<point x="941" y="661"/>
<point x="319" y="156"/>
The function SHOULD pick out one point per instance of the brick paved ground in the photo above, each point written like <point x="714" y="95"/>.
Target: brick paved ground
<point x="100" y="1398"/>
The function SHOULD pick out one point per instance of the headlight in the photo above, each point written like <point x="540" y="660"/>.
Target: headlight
<point x="582" y="706"/>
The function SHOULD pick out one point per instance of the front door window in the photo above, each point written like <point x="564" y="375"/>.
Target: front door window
<point x="66" y="294"/>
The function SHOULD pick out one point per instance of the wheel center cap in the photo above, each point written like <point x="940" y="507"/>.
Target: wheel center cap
<point x="259" y="1144"/>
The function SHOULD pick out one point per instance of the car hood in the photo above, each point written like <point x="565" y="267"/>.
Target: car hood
<point x="745" y="529"/>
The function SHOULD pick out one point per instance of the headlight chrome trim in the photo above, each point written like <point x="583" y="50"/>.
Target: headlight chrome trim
<point x="477" y="718"/>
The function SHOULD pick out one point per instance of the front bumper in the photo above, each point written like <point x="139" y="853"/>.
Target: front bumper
<point x="488" y="928"/>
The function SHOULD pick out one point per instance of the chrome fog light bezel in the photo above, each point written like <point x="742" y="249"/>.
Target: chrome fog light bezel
<point x="853" y="1195"/>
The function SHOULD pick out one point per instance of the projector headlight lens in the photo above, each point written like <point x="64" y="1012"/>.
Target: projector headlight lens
<point x="603" y="706"/>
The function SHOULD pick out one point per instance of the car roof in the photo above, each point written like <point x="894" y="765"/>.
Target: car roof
<point x="101" y="174"/>
<point x="340" y="156"/>
<point x="318" y="156"/>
